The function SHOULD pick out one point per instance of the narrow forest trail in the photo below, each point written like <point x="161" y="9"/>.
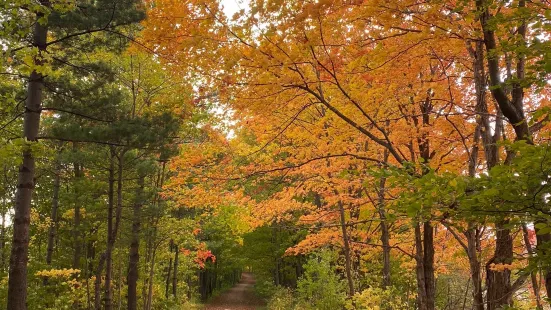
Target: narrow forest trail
<point x="239" y="297"/>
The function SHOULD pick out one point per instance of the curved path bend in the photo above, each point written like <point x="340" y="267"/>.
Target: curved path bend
<point x="239" y="297"/>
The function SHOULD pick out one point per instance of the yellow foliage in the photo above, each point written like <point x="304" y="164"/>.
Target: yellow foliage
<point x="57" y="273"/>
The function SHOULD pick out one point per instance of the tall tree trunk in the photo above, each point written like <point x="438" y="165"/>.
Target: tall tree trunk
<point x="113" y="226"/>
<point x="473" y="243"/>
<point x="202" y="284"/>
<point x="385" y="234"/>
<point x="55" y="203"/>
<point x="90" y="254"/>
<point x="119" y="283"/>
<point x="385" y="241"/>
<point x="175" y="272"/>
<point x="148" y="251"/>
<point x="149" y="301"/>
<point x="499" y="281"/>
<point x="348" y="264"/>
<point x="157" y="201"/>
<point x="424" y="242"/>
<point x="150" y="236"/>
<point x="277" y="281"/>
<point x="167" y="281"/>
<point x="420" y="270"/>
<point x="149" y="261"/>
<point x="543" y="241"/>
<point x="189" y="285"/>
<point x="428" y="264"/>
<point x="110" y="234"/>
<point x="134" y="252"/>
<point x="76" y="236"/>
<point x="533" y="274"/>
<point x="482" y="132"/>
<point x="3" y="243"/>
<point x="76" y="220"/>
<point x="491" y="151"/>
<point x="97" y="283"/>
<point x="17" y="280"/>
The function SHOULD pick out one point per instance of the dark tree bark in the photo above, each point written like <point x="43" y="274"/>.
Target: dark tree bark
<point x="512" y="108"/>
<point x="499" y="281"/>
<point x="473" y="243"/>
<point x="150" y="238"/>
<point x="110" y="232"/>
<point x="428" y="256"/>
<point x="52" y="231"/>
<point x="424" y="241"/>
<point x="17" y="281"/>
<point x="542" y="241"/>
<point x="169" y="272"/>
<point x="533" y="274"/>
<point x="346" y="248"/>
<point x="483" y="132"/>
<point x="134" y="252"/>
<point x="97" y="283"/>
<point x="202" y="284"/>
<point x="385" y="234"/>
<point x="420" y="270"/>
<point x="149" y="300"/>
<point x="157" y="201"/>
<point x="112" y="224"/>
<point x="3" y="242"/>
<point x="189" y="286"/>
<point x="76" y="220"/>
<point x="175" y="272"/>
<point x="499" y="286"/>
<point x="90" y="253"/>
<point x="148" y="253"/>
<point x="491" y="151"/>
<point x="385" y="241"/>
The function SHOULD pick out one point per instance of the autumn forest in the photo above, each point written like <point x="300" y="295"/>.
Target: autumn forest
<point x="275" y="154"/>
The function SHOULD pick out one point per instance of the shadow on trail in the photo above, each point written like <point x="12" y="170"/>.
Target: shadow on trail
<point x="239" y="297"/>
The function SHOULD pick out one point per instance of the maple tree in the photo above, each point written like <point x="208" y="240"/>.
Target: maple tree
<point x="327" y="92"/>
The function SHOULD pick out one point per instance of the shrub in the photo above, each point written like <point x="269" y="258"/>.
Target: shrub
<point x="320" y="287"/>
<point x="375" y="298"/>
<point x="265" y="288"/>
<point x="282" y="299"/>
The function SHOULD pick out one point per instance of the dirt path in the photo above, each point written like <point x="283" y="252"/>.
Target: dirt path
<point x="239" y="297"/>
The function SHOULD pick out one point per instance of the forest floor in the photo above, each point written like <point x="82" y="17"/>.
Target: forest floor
<point x="239" y="297"/>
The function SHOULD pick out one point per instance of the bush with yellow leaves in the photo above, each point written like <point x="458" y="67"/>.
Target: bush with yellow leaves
<point x="375" y="298"/>
<point x="65" y="289"/>
<point x="57" y="273"/>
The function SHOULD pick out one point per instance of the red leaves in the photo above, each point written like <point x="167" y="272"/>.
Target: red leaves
<point x="202" y="255"/>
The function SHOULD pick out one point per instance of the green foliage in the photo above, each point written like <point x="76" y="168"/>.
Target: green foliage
<point x="374" y="298"/>
<point x="320" y="287"/>
<point x="265" y="287"/>
<point x="282" y="299"/>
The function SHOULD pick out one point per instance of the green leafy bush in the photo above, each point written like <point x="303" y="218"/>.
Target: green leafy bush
<point x="320" y="287"/>
<point x="282" y="299"/>
<point x="265" y="288"/>
<point x="375" y="298"/>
